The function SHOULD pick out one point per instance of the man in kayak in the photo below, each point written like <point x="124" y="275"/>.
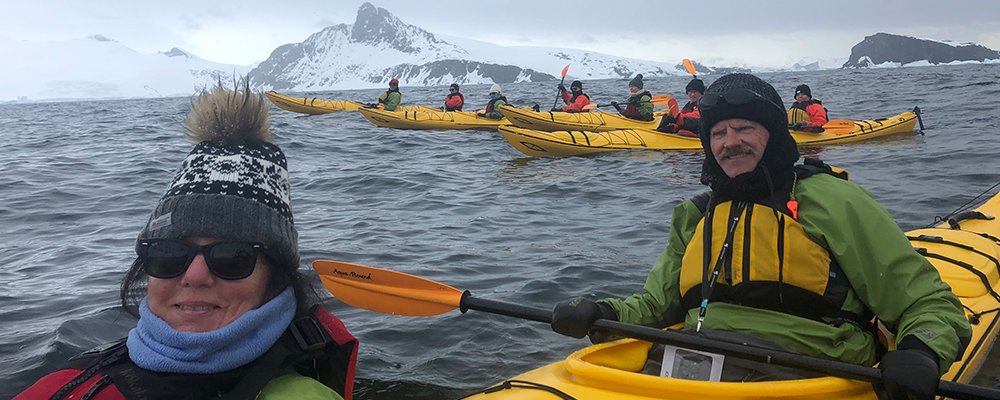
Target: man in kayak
<point x="807" y="114"/>
<point x="454" y="101"/>
<point x="689" y="119"/>
<point x="640" y="104"/>
<point x="575" y="99"/>
<point x="793" y="255"/>
<point x="497" y="99"/>
<point x="391" y="98"/>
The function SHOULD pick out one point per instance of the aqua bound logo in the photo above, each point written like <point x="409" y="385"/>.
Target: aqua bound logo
<point x="352" y="274"/>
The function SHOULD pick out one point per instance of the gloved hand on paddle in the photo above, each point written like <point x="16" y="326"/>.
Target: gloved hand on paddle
<point x="561" y="87"/>
<point x="910" y="372"/>
<point x="556" y="109"/>
<point x="798" y="126"/>
<point x="575" y="317"/>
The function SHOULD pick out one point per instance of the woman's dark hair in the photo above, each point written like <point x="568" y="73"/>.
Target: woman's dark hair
<point x="133" y="287"/>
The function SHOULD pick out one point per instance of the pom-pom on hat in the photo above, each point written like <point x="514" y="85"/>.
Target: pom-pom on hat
<point x="234" y="184"/>
<point x="637" y="81"/>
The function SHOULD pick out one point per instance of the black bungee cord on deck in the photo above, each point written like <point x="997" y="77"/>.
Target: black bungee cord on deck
<point x="951" y="217"/>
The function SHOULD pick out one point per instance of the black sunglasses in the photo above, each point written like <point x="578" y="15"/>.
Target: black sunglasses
<point x="733" y="97"/>
<point x="169" y="258"/>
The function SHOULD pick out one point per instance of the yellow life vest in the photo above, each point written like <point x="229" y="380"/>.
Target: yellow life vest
<point x="762" y="257"/>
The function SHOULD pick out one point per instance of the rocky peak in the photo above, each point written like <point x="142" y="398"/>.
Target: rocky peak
<point x="175" y="52"/>
<point x="884" y="47"/>
<point x="376" y="25"/>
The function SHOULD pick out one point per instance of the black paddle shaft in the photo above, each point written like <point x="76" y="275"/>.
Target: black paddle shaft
<point x="745" y="351"/>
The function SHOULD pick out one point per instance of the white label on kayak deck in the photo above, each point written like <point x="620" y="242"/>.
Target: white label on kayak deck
<point x="690" y="364"/>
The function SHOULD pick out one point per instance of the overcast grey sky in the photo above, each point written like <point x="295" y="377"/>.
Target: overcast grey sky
<point x="761" y="32"/>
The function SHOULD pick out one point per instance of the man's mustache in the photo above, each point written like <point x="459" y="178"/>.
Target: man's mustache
<point x="736" y="150"/>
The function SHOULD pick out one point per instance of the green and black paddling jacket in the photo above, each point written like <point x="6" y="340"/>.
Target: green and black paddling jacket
<point x="810" y="283"/>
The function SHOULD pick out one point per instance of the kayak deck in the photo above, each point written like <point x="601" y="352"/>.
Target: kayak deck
<point x="539" y="143"/>
<point x="429" y="119"/>
<point x="596" y="121"/>
<point x="311" y="106"/>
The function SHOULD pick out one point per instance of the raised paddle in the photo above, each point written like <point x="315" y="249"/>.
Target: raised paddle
<point x="397" y="293"/>
<point x="561" y="81"/>
<point x="689" y="66"/>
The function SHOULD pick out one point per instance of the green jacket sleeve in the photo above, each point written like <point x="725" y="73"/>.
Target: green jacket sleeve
<point x="496" y="114"/>
<point x="297" y="387"/>
<point x="392" y="101"/>
<point x="646" y="107"/>
<point x="661" y="288"/>
<point x="898" y="284"/>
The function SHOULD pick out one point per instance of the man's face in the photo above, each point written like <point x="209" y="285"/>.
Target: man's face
<point x="633" y="89"/>
<point x="694" y="95"/>
<point x="802" y="97"/>
<point x="738" y="145"/>
<point x="576" y="89"/>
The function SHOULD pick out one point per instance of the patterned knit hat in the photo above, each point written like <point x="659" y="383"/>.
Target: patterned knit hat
<point x="234" y="183"/>
<point x="768" y="109"/>
<point x="637" y="81"/>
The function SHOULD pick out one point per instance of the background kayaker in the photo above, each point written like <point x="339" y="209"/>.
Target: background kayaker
<point x="639" y="104"/>
<point x="391" y="98"/>
<point x="794" y="255"/>
<point x="497" y="99"/>
<point x="575" y="98"/>
<point x="814" y="110"/>
<point x="454" y="100"/>
<point x="216" y="284"/>
<point x="688" y="120"/>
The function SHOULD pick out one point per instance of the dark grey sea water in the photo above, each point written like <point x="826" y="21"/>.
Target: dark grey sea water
<point x="78" y="180"/>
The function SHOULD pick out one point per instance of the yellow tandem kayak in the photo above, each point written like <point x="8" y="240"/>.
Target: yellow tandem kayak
<point x="597" y="121"/>
<point x="311" y="106"/>
<point x="540" y="143"/>
<point x="964" y="250"/>
<point x="429" y="119"/>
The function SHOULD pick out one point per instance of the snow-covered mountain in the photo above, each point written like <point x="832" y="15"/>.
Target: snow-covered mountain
<point x="379" y="46"/>
<point x="98" y="67"/>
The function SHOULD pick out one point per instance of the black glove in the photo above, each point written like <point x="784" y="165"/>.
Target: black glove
<point x="535" y="107"/>
<point x="371" y="105"/>
<point x="561" y="88"/>
<point x="910" y="372"/>
<point x="556" y="109"/>
<point x="575" y="317"/>
<point x="798" y="126"/>
<point x="614" y="104"/>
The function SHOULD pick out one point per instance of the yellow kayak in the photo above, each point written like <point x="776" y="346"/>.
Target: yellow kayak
<point x="539" y="143"/>
<point x="597" y="121"/>
<point x="427" y="118"/>
<point x="965" y="254"/>
<point x="311" y="106"/>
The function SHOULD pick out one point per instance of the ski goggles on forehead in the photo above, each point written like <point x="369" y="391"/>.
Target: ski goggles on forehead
<point x="733" y="97"/>
<point x="169" y="258"/>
